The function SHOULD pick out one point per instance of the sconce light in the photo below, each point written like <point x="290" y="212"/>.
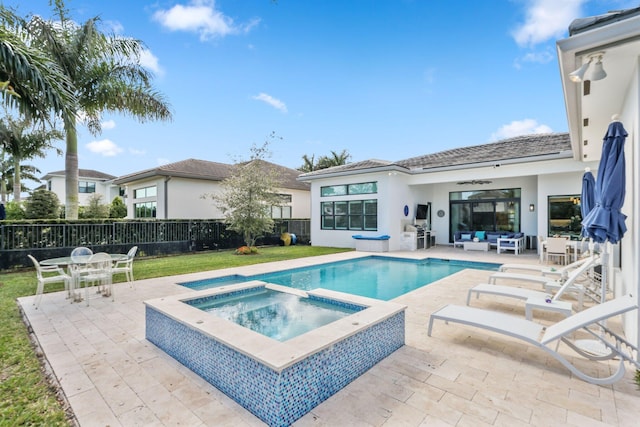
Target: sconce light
<point x="532" y="207"/>
<point x="598" y="72"/>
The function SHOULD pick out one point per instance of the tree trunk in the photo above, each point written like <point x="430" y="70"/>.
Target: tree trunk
<point x="71" y="171"/>
<point x="16" y="180"/>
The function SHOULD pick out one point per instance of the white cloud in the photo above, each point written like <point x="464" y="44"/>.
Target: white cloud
<point x="201" y="17"/>
<point x="546" y="19"/>
<point x="137" y="152"/>
<point x="543" y="57"/>
<point x="105" y="147"/>
<point x="520" y="127"/>
<point x="149" y="61"/>
<point x="108" y="124"/>
<point x="274" y="102"/>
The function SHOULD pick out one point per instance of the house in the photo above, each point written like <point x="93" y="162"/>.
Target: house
<point x="514" y="184"/>
<point x="613" y="39"/>
<point x="179" y="190"/>
<point x="90" y="183"/>
<point x="508" y="186"/>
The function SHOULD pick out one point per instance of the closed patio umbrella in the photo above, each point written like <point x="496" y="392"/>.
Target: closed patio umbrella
<point x="587" y="197"/>
<point x="605" y="222"/>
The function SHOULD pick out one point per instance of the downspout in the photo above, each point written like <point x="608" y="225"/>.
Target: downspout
<point x="166" y="197"/>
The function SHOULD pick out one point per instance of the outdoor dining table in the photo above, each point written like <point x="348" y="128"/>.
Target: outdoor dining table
<point x="72" y="263"/>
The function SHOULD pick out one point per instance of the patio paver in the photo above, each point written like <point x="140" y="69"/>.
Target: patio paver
<point x="460" y="376"/>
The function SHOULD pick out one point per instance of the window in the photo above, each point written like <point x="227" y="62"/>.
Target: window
<point x="145" y="210"/>
<point x="565" y="217"/>
<point x="350" y="215"/>
<point x="142" y="193"/>
<point x="347" y="189"/>
<point x="281" y="212"/>
<point x="86" y="187"/>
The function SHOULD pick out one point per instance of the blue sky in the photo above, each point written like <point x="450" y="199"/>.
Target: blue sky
<point x="383" y="79"/>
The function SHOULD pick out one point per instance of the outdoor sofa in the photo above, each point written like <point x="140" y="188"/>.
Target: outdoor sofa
<point x="508" y="240"/>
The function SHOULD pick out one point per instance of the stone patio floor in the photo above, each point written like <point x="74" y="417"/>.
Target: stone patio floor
<point x="461" y="376"/>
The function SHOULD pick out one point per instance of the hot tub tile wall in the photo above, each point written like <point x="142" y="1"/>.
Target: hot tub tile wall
<point x="277" y="398"/>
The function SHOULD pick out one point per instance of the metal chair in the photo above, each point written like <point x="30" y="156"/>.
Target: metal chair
<point x="557" y="248"/>
<point x="44" y="274"/>
<point x="98" y="272"/>
<point x="126" y="266"/>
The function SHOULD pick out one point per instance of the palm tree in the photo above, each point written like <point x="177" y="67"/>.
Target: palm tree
<point x="106" y="76"/>
<point x="31" y="81"/>
<point x="22" y="141"/>
<point x="336" y="159"/>
<point x="309" y="163"/>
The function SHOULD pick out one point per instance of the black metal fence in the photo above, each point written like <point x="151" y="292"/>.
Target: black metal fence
<point x="157" y="237"/>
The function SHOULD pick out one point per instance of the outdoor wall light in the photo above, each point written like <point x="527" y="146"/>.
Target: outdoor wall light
<point x="598" y="72"/>
<point x="532" y="207"/>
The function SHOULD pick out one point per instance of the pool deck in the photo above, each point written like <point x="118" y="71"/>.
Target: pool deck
<point x="111" y="375"/>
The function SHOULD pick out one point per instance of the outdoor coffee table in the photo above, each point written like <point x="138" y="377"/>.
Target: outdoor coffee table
<point x="476" y="246"/>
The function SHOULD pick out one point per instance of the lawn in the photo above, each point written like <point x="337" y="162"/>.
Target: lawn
<point x="26" y="397"/>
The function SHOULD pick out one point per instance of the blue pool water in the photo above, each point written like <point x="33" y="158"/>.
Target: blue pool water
<point x="278" y="315"/>
<point x="377" y="277"/>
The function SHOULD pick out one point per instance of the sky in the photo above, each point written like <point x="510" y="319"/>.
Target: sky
<point x="382" y="79"/>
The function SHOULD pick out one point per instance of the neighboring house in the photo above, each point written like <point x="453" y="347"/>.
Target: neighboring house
<point x="90" y="183"/>
<point x="591" y="105"/>
<point x="180" y="190"/>
<point x="509" y="185"/>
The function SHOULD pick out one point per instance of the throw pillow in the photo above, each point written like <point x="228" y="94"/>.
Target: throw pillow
<point x="480" y="235"/>
<point x="465" y="236"/>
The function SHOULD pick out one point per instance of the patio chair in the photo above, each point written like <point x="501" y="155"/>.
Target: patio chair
<point x="98" y="274"/>
<point x="543" y="337"/>
<point x="557" y="249"/>
<point x="46" y="275"/>
<point x="560" y="286"/>
<point x="126" y="266"/>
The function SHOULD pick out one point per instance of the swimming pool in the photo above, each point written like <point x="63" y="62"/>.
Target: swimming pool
<point x="277" y="315"/>
<point x="383" y="278"/>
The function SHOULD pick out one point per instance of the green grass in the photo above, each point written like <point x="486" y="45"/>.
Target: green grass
<point x="26" y="397"/>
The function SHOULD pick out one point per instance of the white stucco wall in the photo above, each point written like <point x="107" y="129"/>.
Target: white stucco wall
<point x="184" y="198"/>
<point x="536" y="179"/>
<point x="107" y="191"/>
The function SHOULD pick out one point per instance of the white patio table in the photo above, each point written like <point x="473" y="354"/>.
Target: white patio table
<point x="73" y="272"/>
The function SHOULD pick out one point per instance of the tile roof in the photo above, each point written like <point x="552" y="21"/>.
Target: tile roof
<point x="520" y="147"/>
<point x="213" y="171"/>
<point x="365" y="164"/>
<point x="83" y="173"/>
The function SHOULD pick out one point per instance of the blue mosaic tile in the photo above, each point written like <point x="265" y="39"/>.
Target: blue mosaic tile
<point x="277" y="398"/>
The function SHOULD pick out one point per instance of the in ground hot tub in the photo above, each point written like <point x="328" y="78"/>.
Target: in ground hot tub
<point x="278" y="381"/>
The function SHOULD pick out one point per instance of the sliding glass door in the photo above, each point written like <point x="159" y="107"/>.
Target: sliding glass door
<point x="490" y="210"/>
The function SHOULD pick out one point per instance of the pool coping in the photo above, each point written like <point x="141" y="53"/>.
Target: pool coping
<point x="273" y="353"/>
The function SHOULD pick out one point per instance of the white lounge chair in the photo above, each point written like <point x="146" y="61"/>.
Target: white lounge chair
<point x="546" y="270"/>
<point x="537" y="335"/>
<point x="550" y="286"/>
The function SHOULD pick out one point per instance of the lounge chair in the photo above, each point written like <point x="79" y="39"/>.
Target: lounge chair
<point x="546" y="270"/>
<point x="560" y="287"/>
<point x="537" y="335"/>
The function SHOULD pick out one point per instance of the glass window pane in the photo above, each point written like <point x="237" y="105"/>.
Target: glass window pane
<point x="341" y="208"/>
<point x="341" y="222"/>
